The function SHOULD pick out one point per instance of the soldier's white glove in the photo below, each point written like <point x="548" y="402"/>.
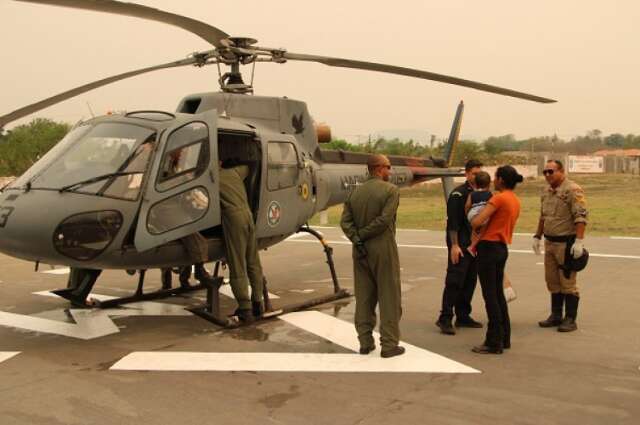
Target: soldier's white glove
<point x="536" y="246"/>
<point x="577" y="249"/>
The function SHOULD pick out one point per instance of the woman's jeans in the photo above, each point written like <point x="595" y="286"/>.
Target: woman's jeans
<point x="492" y="257"/>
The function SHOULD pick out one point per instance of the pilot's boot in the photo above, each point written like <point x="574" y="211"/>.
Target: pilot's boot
<point x="569" y="322"/>
<point x="557" y="300"/>
<point x="202" y="274"/>
<point x="165" y="278"/>
<point x="185" y="274"/>
<point x="257" y="308"/>
<point x="244" y="315"/>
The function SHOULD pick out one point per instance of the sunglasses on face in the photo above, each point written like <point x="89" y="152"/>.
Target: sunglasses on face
<point x="388" y="167"/>
<point x="548" y="172"/>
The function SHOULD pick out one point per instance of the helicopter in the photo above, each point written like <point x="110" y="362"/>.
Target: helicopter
<point x="120" y="190"/>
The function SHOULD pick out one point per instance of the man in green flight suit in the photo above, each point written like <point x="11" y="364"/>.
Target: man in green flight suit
<point x="369" y="221"/>
<point x="239" y="232"/>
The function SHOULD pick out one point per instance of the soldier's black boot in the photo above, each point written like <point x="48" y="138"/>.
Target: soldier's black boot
<point x="555" y="319"/>
<point x="569" y="322"/>
<point x="444" y="323"/>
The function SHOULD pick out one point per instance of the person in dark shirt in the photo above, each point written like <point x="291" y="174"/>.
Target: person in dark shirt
<point x="462" y="275"/>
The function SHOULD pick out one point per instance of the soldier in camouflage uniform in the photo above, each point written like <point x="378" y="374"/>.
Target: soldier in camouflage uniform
<point x="241" y="245"/>
<point x="369" y="221"/>
<point x="563" y="219"/>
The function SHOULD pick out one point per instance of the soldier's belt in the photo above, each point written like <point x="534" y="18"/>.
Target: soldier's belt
<point x="567" y="238"/>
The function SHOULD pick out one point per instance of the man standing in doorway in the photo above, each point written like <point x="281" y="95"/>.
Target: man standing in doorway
<point x="563" y="219"/>
<point x="462" y="272"/>
<point x="369" y="221"/>
<point x="241" y="245"/>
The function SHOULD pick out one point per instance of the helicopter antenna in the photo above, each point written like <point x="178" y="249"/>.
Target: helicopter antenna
<point x="90" y="110"/>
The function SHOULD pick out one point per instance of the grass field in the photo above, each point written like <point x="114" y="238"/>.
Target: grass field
<point x="613" y="201"/>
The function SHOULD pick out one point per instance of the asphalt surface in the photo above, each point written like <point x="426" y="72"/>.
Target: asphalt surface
<point x="590" y="376"/>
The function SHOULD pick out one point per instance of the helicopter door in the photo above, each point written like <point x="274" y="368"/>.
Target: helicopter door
<point x="283" y="203"/>
<point x="182" y="193"/>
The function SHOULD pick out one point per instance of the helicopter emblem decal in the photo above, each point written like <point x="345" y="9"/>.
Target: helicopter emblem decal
<point x="298" y="123"/>
<point x="273" y="214"/>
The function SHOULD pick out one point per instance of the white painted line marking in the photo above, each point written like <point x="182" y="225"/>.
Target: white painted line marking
<point x="518" y="251"/>
<point x="6" y="355"/>
<point x="298" y="235"/>
<point x="625" y="238"/>
<point x="302" y="291"/>
<point x="415" y="360"/>
<point x="227" y="292"/>
<point x="62" y="271"/>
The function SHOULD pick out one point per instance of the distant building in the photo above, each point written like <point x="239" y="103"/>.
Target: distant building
<point x="618" y="152"/>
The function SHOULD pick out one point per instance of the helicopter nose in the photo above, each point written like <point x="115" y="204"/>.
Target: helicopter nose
<point x="25" y="225"/>
<point x="60" y="228"/>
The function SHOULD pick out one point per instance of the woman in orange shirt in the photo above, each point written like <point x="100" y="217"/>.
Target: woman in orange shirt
<point x="502" y="212"/>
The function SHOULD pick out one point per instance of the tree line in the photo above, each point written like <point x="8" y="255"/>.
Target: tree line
<point x="25" y="144"/>
<point x="497" y="149"/>
<point x="22" y="146"/>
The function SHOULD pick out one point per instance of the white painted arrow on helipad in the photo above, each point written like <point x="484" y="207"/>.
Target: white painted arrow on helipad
<point x="415" y="359"/>
<point x="6" y="355"/>
<point x="89" y="324"/>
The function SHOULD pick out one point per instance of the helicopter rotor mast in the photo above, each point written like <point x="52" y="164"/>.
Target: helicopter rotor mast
<point x="231" y="51"/>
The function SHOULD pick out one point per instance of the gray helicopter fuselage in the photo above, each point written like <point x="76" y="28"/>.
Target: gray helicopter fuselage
<point x="135" y="219"/>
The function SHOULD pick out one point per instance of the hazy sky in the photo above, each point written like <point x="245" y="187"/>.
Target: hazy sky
<point x="582" y="53"/>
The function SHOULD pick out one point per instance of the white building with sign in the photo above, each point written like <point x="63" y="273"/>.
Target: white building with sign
<point x="585" y="164"/>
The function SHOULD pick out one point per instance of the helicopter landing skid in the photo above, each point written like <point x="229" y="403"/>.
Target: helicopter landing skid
<point x="211" y="309"/>
<point x="79" y="286"/>
<point x="81" y="282"/>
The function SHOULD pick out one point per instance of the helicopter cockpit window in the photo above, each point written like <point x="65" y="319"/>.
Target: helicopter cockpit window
<point x="107" y="159"/>
<point x="43" y="163"/>
<point x="186" y="156"/>
<point x="282" y="165"/>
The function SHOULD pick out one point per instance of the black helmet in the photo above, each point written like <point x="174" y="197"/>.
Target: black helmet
<point x="575" y="264"/>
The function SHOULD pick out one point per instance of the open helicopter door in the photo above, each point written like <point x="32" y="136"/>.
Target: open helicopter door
<point x="182" y="194"/>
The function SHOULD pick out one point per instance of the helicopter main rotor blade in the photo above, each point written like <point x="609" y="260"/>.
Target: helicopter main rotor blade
<point x="207" y="32"/>
<point x="409" y="72"/>
<point x="35" y="107"/>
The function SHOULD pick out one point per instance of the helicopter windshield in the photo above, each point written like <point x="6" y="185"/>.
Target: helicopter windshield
<point x="116" y="151"/>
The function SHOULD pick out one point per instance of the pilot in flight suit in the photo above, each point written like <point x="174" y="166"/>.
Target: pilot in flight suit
<point x="369" y="221"/>
<point x="241" y="244"/>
